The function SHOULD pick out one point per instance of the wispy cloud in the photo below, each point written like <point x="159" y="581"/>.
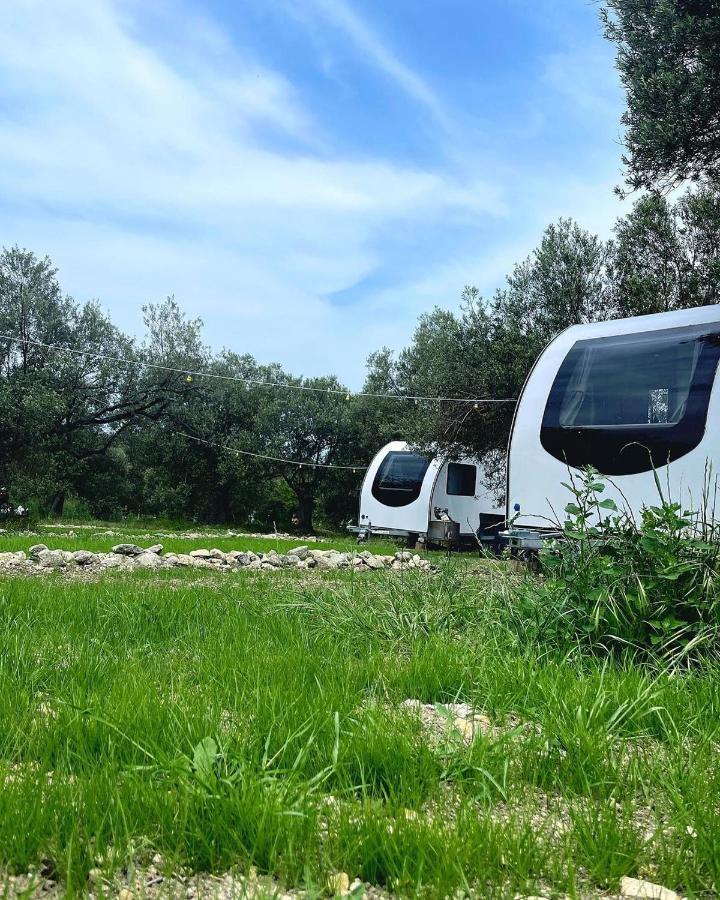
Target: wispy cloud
<point x="377" y="51"/>
<point x="179" y="159"/>
<point x="174" y="180"/>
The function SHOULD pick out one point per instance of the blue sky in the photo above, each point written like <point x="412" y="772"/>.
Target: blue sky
<point x="308" y="176"/>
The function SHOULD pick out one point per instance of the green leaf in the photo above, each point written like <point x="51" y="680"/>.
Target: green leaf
<point x="608" y="503"/>
<point x="205" y="756"/>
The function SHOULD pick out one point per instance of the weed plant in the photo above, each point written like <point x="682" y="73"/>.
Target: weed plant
<point x="650" y="583"/>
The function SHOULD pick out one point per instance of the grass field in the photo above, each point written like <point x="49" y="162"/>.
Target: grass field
<point x="258" y="722"/>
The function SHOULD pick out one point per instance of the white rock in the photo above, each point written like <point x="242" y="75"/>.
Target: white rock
<point x="200" y="554"/>
<point x="217" y="554"/>
<point x="84" y="557"/>
<point x="127" y="549"/>
<point x="184" y="559"/>
<point x="645" y="890"/>
<point x="36" y="549"/>
<point x="148" y="561"/>
<point x="156" y="548"/>
<point x="111" y="560"/>
<point x="299" y="552"/>
<point x="52" y="559"/>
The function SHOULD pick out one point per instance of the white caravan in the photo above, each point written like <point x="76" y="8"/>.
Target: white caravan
<point x="408" y="495"/>
<point x="627" y="396"/>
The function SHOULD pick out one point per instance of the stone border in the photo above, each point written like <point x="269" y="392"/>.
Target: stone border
<point x="132" y="557"/>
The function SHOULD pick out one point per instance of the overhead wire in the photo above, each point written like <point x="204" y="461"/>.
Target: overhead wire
<point x="279" y="459"/>
<point x="197" y="373"/>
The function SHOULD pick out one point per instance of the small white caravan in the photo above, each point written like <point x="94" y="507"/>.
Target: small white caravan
<point x="627" y="396"/>
<point x="408" y="495"/>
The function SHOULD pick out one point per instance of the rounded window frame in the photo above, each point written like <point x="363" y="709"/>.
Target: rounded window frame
<point x="632" y="449"/>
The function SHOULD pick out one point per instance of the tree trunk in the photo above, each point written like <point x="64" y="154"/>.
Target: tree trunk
<point x="57" y="504"/>
<point x="305" y="514"/>
<point x="221" y="505"/>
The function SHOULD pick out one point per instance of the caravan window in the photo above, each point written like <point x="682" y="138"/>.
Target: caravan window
<point x="461" y="479"/>
<point x="628" y="403"/>
<point x="399" y="479"/>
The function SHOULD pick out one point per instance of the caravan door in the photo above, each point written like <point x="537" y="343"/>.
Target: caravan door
<point x="459" y="488"/>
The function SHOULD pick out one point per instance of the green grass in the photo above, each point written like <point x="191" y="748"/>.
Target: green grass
<point x="109" y="692"/>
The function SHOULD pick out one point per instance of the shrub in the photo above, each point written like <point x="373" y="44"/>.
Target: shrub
<point x="650" y="583"/>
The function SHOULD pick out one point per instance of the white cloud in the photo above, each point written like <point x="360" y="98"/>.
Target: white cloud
<point x="342" y="16"/>
<point x="140" y="180"/>
<point x="586" y="77"/>
<point x="192" y="168"/>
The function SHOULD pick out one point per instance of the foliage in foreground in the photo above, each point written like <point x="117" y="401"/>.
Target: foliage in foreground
<point x="651" y="584"/>
<point x="257" y="721"/>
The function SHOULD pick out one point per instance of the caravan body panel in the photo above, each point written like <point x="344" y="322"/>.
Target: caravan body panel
<point x="397" y="490"/>
<point x="631" y="397"/>
<point x="402" y="489"/>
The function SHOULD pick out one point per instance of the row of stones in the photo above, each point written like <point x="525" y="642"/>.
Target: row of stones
<point x="131" y="556"/>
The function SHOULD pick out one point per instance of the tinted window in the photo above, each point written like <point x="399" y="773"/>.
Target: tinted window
<point x="630" y="402"/>
<point x="461" y="480"/>
<point x="399" y="479"/>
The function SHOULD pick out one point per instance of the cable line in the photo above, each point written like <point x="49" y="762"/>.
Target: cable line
<point x="289" y="462"/>
<point x="190" y="374"/>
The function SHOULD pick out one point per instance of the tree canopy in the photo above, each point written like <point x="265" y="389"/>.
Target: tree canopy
<point x="108" y="428"/>
<point x="668" y="55"/>
<point x="662" y="256"/>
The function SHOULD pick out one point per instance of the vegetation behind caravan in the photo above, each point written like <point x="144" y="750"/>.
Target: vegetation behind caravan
<point x="119" y="437"/>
